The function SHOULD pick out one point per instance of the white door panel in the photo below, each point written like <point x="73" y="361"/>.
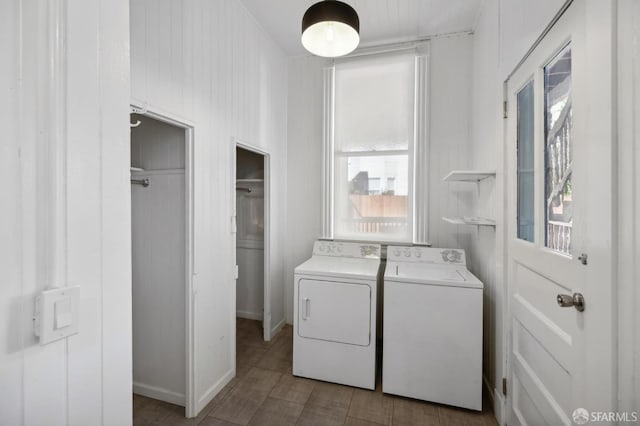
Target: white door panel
<point x="550" y="200"/>
<point x="334" y="311"/>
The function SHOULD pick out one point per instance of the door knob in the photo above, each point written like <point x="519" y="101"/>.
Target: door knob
<point x="566" y="301"/>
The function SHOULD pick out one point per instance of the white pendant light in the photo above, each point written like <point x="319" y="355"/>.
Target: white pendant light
<point x="330" y="28"/>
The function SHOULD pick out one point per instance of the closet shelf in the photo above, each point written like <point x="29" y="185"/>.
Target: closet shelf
<point x="137" y="169"/>
<point x="249" y="180"/>
<point x="468" y="175"/>
<point x="478" y="221"/>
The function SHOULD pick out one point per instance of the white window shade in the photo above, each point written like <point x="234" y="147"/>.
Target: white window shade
<point x="375" y="149"/>
<point x="374" y="103"/>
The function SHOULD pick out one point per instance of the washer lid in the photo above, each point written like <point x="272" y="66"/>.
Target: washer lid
<point x="419" y="273"/>
<point x="345" y="267"/>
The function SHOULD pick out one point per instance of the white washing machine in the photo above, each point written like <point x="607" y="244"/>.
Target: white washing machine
<point x="334" y="326"/>
<point x="432" y="327"/>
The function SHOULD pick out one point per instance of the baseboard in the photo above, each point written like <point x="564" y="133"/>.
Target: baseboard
<point x="213" y="390"/>
<point x="159" y="393"/>
<point x="496" y="399"/>
<point x="277" y="327"/>
<point x="250" y="315"/>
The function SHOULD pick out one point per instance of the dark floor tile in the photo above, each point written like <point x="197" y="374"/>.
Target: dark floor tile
<point x="150" y="413"/>
<point x="331" y="396"/>
<point x="294" y="389"/>
<point x="259" y="379"/>
<point x="240" y="405"/>
<point x="140" y="401"/>
<point x="248" y="356"/>
<point x="264" y="392"/>
<point x="451" y="416"/>
<point x="407" y="412"/>
<point x="371" y="406"/>
<point x="352" y="421"/>
<point x="277" y="412"/>
<point x="176" y="417"/>
<point x="314" y="415"/>
<point x="212" y="421"/>
<point x="276" y="362"/>
<point x="215" y="402"/>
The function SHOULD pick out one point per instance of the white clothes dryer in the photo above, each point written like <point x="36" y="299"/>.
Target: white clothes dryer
<point x="432" y="327"/>
<point x="334" y="326"/>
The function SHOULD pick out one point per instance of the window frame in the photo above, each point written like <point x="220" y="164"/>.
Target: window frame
<point x="417" y="151"/>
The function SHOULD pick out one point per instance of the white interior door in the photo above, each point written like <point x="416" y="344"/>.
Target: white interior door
<point x="559" y="232"/>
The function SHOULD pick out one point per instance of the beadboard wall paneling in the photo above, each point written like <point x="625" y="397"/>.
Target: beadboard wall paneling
<point x="11" y="220"/>
<point x="65" y="216"/>
<point x="304" y="165"/>
<point x="503" y="33"/>
<point x="449" y="119"/>
<point x="485" y="154"/>
<point x="213" y="65"/>
<point x="449" y="97"/>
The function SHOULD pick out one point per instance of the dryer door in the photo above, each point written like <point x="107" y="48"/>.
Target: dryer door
<point x="334" y="311"/>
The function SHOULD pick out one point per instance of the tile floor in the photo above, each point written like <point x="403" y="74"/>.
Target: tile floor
<point x="265" y="393"/>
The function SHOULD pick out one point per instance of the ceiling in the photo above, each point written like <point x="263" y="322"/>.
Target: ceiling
<point x="380" y="20"/>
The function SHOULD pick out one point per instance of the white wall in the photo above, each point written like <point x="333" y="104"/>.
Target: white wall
<point x="65" y="209"/>
<point x="450" y="87"/>
<point x="485" y="154"/>
<point x="304" y="166"/>
<point x="210" y="63"/>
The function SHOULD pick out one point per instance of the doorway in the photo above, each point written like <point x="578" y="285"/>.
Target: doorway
<point x="251" y="204"/>
<point x="161" y="259"/>
<point x="558" y="235"/>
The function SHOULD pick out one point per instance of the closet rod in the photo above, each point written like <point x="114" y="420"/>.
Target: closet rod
<point x="242" y="188"/>
<point x="143" y="182"/>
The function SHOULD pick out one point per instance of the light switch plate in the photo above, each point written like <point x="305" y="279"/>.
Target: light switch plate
<point x="56" y="315"/>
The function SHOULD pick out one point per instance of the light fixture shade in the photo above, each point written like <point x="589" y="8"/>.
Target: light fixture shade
<point x="330" y="28"/>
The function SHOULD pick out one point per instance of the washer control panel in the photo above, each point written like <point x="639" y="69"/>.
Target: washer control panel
<point x="346" y="249"/>
<point x="426" y="255"/>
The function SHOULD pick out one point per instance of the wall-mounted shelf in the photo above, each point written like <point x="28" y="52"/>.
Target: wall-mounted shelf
<point x="478" y="221"/>
<point x="468" y="175"/>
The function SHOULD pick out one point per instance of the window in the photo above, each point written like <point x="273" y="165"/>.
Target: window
<point x="526" y="195"/>
<point x="558" y="131"/>
<point x="374" y="127"/>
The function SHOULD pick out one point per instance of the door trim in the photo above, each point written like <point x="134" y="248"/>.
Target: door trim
<point x="191" y="400"/>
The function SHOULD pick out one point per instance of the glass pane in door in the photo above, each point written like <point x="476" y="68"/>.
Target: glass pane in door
<point x="558" y="152"/>
<point x="526" y="196"/>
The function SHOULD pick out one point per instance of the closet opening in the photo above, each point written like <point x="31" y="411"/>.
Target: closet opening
<point x="161" y="235"/>
<point x="251" y="174"/>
